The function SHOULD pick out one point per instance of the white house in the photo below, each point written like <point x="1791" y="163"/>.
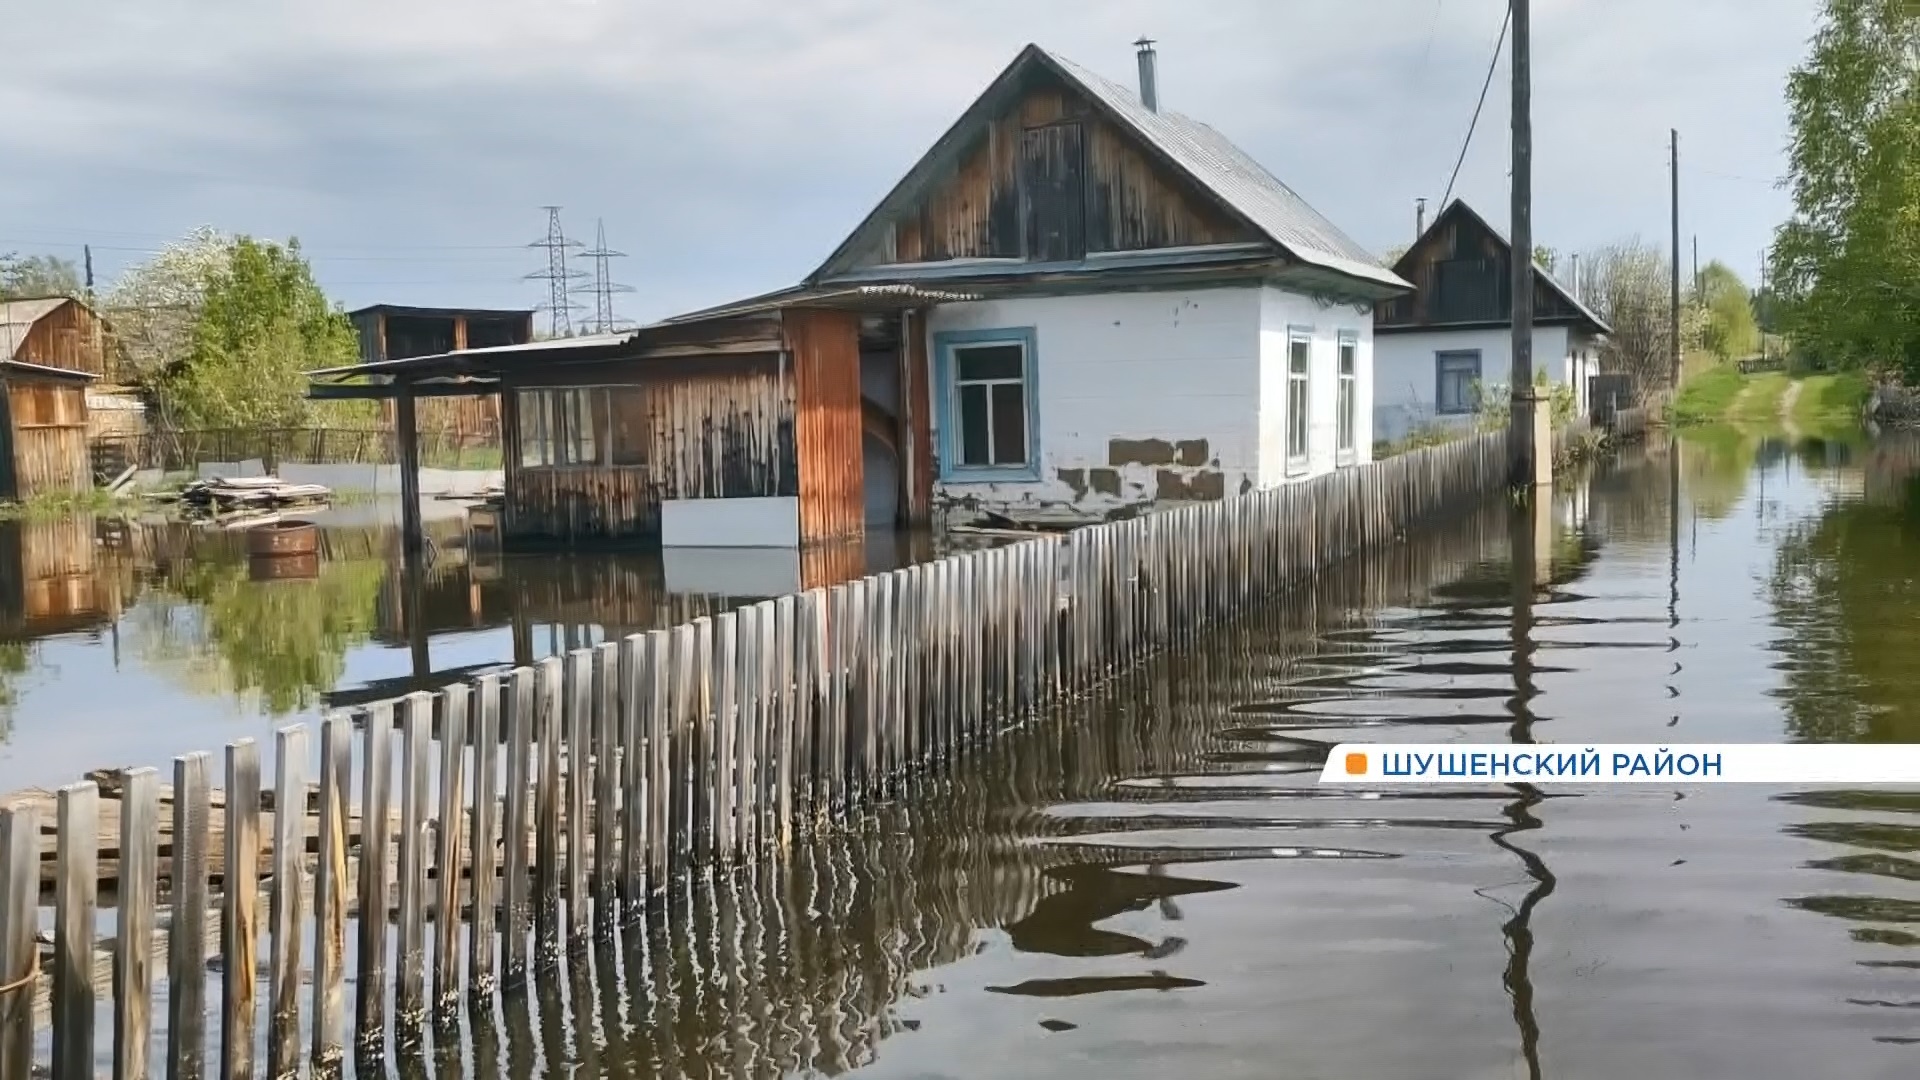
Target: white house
<point x="1149" y="314"/>
<point x="1437" y="347"/>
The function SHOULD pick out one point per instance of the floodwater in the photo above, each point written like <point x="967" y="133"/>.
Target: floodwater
<point x="128" y="642"/>
<point x="1151" y="883"/>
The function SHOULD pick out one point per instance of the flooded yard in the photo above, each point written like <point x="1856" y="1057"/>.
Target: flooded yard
<point x="125" y="643"/>
<point x="1151" y="882"/>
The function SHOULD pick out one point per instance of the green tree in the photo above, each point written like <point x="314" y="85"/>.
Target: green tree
<point x="1545" y="256"/>
<point x="1729" y="328"/>
<point x="37" y="275"/>
<point x="263" y="322"/>
<point x="1846" y="266"/>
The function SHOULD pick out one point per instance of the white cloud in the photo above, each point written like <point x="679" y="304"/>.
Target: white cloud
<point x="730" y="145"/>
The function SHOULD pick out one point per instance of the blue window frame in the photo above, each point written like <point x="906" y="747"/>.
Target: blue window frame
<point x="988" y="398"/>
<point x="1456" y="381"/>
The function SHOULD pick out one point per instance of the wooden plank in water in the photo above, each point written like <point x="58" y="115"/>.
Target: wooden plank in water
<point x="632" y="690"/>
<point x="410" y="987"/>
<point x="186" y="936"/>
<point x="284" y="903"/>
<point x="607" y="754"/>
<point x="782" y="676"/>
<point x="75" y="906"/>
<point x="19" y="949"/>
<point x="239" y="923"/>
<point x="549" y="694"/>
<point x="448" y="859"/>
<point x="376" y="828"/>
<point x="659" y="724"/>
<point x="579" y="737"/>
<point x="484" y="853"/>
<point x="330" y="893"/>
<point x="720" y="765"/>
<point x="517" y="877"/>
<point x="133" y="936"/>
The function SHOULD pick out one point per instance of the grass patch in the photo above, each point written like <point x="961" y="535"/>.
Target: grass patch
<point x="1759" y="401"/>
<point x="62" y="504"/>
<point x="1828" y="401"/>
<point x="1419" y="439"/>
<point x="1708" y="397"/>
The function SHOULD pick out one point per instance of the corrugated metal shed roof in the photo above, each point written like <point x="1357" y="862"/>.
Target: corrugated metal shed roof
<point x="18" y="316"/>
<point x="476" y="357"/>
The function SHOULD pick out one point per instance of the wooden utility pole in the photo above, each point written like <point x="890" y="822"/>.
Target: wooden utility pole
<point x="1525" y="447"/>
<point x="1674" y="135"/>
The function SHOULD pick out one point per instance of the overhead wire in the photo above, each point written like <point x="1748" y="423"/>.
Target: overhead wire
<point x="1492" y="65"/>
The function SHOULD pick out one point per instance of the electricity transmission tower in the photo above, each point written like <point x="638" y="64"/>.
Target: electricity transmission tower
<point x="560" y="280"/>
<point x="603" y="285"/>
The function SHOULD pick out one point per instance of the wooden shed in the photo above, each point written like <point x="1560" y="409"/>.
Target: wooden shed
<point x="396" y="332"/>
<point x="744" y="426"/>
<point x="54" y="332"/>
<point x="43" y="431"/>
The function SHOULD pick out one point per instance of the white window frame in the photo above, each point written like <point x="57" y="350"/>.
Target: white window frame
<point x="1347" y="398"/>
<point x="1300" y="381"/>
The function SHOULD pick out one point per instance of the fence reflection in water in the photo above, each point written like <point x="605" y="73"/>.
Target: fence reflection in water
<point x="608" y="788"/>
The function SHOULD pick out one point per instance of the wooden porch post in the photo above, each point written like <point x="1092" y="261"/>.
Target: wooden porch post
<point x="915" y="428"/>
<point x="411" y="530"/>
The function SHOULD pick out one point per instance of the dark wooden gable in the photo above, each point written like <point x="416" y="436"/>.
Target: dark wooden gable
<point x="1048" y="178"/>
<point x="1462" y="274"/>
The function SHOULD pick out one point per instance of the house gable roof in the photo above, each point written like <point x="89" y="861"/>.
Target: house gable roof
<point x="1407" y="264"/>
<point x="1215" y="168"/>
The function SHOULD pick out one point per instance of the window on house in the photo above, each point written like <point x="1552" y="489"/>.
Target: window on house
<point x="991" y="405"/>
<point x="1349" y="397"/>
<point x="583" y="426"/>
<point x="628" y="433"/>
<point x="1456" y="382"/>
<point x="1299" y="361"/>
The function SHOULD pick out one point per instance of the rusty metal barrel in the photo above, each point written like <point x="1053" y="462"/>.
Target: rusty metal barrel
<point x="281" y="539"/>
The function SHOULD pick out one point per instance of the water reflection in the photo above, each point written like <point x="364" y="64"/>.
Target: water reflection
<point x="95" y="613"/>
<point x="1152" y="882"/>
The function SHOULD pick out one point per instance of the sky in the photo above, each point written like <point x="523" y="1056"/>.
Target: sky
<point x="727" y="146"/>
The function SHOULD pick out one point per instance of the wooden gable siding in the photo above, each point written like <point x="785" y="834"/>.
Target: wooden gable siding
<point x="70" y="337"/>
<point x="827" y="422"/>
<point x="1462" y="273"/>
<point x="986" y="206"/>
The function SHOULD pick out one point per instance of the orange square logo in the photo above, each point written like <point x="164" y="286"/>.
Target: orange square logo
<point x="1356" y="764"/>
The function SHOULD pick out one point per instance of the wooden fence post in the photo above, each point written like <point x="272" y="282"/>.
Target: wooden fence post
<point x="239" y="928"/>
<point x="330" y="893"/>
<point x="133" y="937"/>
<point x="187" y="932"/>
<point x="19" y="944"/>
<point x="285" y="900"/>
<point x="75" y="906"/>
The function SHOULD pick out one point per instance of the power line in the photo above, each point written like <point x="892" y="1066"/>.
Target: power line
<point x="603" y="285"/>
<point x="1499" y="43"/>
<point x="559" y="306"/>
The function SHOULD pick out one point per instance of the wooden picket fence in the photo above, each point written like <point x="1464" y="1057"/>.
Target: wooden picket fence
<point x="540" y="810"/>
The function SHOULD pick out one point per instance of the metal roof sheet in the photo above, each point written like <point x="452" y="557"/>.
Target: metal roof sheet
<point x="1212" y="162"/>
<point x="1235" y="178"/>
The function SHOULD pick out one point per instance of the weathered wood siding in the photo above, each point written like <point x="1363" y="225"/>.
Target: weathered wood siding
<point x="715" y="428"/>
<point x="48" y="580"/>
<point x="71" y="337"/>
<point x="1052" y="178"/>
<point x="827" y="423"/>
<point x="1462" y="274"/>
<point x="46" y="451"/>
<point x="916" y="465"/>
